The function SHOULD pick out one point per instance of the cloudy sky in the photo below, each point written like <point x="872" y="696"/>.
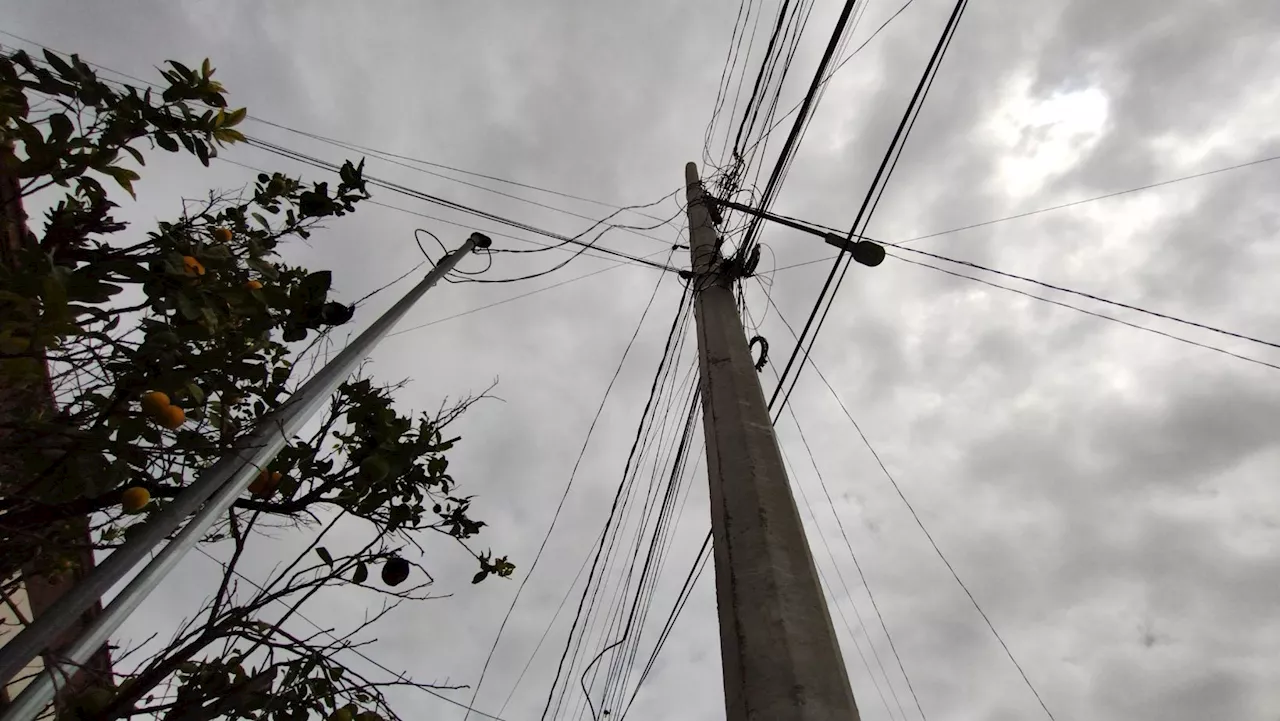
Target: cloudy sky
<point x="1108" y="495"/>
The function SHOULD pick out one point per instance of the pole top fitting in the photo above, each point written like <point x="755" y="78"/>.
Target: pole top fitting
<point x="481" y="240"/>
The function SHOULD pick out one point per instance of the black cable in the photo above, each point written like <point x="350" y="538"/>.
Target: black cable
<point x="547" y="631"/>
<point x="663" y="520"/>
<point x="840" y="574"/>
<point x="790" y="145"/>
<point x="831" y="74"/>
<point x="568" y="485"/>
<point x="403" y="190"/>
<point x="647" y="430"/>
<point x="613" y="616"/>
<point x="614" y="507"/>
<point x="1090" y="296"/>
<point x="1092" y="313"/>
<point x="686" y="590"/>
<point x="891" y="154"/>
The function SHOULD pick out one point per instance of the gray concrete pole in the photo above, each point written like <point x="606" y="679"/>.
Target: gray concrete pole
<point x="777" y="644"/>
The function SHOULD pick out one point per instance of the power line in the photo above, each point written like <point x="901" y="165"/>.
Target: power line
<point x="1092" y="313"/>
<point x="349" y="146"/>
<point x="410" y="192"/>
<point x="619" y="501"/>
<point x="818" y="230"/>
<point x="867" y="442"/>
<point x="831" y="74"/>
<point x="1039" y="210"/>
<point x="1097" y="298"/>
<point x="849" y="546"/>
<point x="399" y="188"/>
<point x="891" y="156"/>
<point x="568" y="485"/>
<point x="789" y="147"/>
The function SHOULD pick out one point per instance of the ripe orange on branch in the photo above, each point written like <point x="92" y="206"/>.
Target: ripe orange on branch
<point x="135" y="499"/>
<point x="222" y="235"/>
<point x="154" y="403"/>
<point x="172" y="417"/>
<point x="265" y="485"/>
<point x="191" y="266"/>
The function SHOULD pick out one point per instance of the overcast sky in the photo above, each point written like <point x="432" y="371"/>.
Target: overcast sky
<point x="1108" y="495"/>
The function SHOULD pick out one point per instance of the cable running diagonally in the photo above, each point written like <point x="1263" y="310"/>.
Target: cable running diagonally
<point x="873" y="194"/>
<point x="568" y="486"/>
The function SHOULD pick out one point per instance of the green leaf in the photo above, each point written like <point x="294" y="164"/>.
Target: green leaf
<point x="316" y="285"/>
<point x="234" y="117"/>
<point x="123" y="176"/>
<point x="60" y="128"/>
<point x="59" y="65"/>
<point x="187" y="307"/>
<point x="196" y="394"/>
<point x="266" y="269"/>
<point x="206" y="69"/>
<point x="166" y="141"/>
<point x="136" y="155"/>
<point x="323" y="553"/>
<point x="361" y="574"/>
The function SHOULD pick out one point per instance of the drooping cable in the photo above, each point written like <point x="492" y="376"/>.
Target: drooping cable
<point x="568" y="486"/>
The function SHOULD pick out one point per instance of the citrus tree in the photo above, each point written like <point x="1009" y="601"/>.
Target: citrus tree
<point x="131" y="362"/>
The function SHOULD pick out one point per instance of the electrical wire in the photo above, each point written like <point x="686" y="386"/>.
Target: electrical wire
<point x="889" y="162"/>
<point x="1092" y="313"/>
<point x="614" y="508"/>
<point x="621" y="504"/>
<point x="898" y="489"/>
<point x="568" y="485"/>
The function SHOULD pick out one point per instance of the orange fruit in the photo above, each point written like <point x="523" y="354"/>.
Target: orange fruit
<point x="154" y="403"/>
<point x="135" y="499"/>
<point x="253" y="285"/>
<point x="265" y="485"/>
<point x="222" y="235"/>
<point x="172" y="417"/>
<point x="192" y="266"/>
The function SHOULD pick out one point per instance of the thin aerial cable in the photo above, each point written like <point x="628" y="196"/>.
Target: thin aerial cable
<point x="615" y="607"/>
<point x="891" y="154"/>
<point x="594" y="252"/>
<point x="614" y="508"/>
<point x="547" y="631"/>
<point x="867" y="442"/>
<point x="791" y="144"/>
<point x="840" y="574"/>
<point x="849" y="594"/>
<point x="857" y="565"/>
<point x="1090" y="296"/>
<point x="349" y="145"/>
<point x="568" y="485"/>
<point x="1032" y="212"/>
<point x="403" y="190"/>
<point x="511" y="299"/>
<point x="784" y="116"/>
<point x="1092" y="313"/>
<point x="686" y="590"/>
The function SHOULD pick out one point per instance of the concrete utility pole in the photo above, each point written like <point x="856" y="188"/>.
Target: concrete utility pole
<point x="777" y="644"/>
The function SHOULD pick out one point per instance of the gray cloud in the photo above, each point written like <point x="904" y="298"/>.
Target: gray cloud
<point x="1107" y="495"/>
